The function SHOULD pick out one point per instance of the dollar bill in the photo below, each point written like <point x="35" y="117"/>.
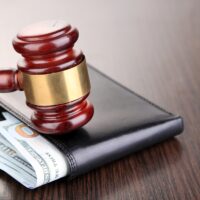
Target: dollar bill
<point x="15" y="165"/>
<point x="27" y="156"/>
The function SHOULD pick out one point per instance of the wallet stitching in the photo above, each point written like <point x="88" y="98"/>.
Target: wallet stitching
<point x="61" y="145"/>
<point x="19" y="115"/>
<point x="69" y="155"/>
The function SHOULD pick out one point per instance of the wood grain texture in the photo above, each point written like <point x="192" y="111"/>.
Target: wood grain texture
<point x="153" y="48"/>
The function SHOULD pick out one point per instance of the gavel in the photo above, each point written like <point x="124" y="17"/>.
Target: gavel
<point x="53" y="76"/>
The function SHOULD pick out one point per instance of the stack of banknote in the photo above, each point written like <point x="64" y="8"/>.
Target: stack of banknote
<point x="27" y="156"/>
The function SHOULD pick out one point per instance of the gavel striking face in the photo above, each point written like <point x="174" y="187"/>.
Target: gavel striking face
<point x="53" y="76"/>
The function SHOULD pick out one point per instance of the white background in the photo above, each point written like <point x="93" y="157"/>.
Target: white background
<point x="132" y="41"/>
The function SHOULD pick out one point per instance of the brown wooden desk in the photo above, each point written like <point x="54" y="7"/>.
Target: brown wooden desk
<point x="152" y="47"/>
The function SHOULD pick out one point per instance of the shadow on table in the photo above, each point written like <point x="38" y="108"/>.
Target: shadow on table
<point x="110" y="181"/>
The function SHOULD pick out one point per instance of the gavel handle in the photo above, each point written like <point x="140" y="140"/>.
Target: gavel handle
<point x="9" y="81"/>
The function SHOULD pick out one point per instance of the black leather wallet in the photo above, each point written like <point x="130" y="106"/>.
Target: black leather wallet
<point x="123" y="123"/>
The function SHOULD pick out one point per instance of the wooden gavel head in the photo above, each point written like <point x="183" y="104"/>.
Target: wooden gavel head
<point x="53" y="76"/>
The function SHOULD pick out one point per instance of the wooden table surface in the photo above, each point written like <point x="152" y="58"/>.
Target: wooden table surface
<point x="152" y="47"/>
